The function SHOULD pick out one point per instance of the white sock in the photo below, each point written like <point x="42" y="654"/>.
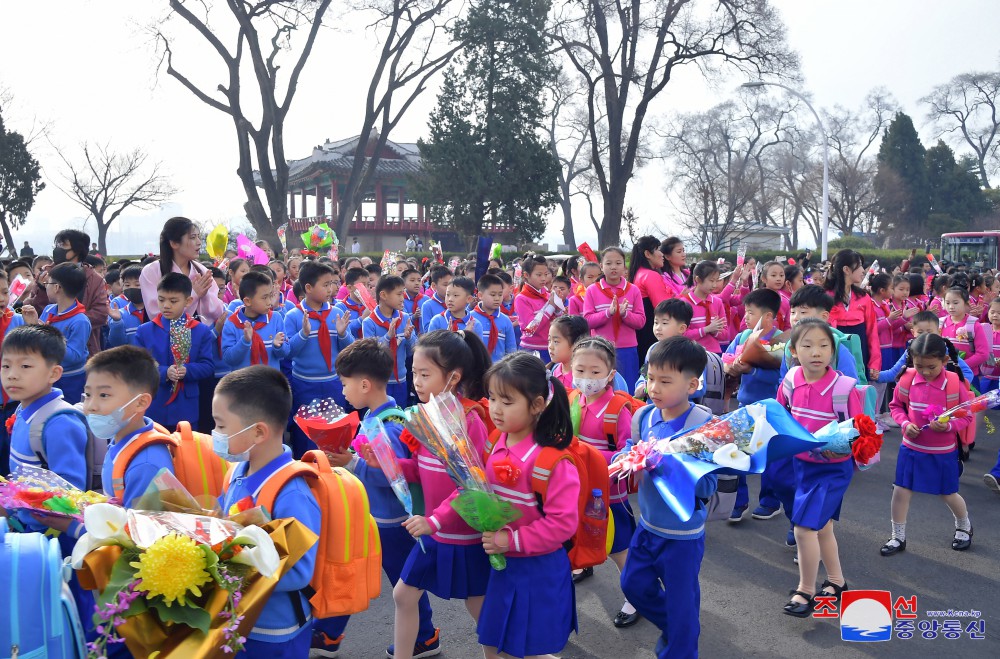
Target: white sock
<point x="627" y="608"/>
<point x="899" y="531"/>
<point x="963" y="524"/>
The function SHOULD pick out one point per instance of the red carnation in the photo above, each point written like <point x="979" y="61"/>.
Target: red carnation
<point x="869" y="442"/>
<point x="506" y="472"/>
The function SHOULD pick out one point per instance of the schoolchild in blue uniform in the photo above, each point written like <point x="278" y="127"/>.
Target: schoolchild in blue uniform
<point x="660" y="578"/>
<point x="495" y="328"/>
<point x="350" y="305"/>
<point x="125" y="315"/>
<point x="394" y="329"/>
<point x="414" y="295"/>
<point x="460" y="295"/>
<point x="251" y="408"/>
<point x="316" y="333"/>
<point x="365" y="367"/>
<point x="65" y="284"/>
<point x="177" y="398"/>
<point x="254" y="334"/>
<point x="434" y="305"/>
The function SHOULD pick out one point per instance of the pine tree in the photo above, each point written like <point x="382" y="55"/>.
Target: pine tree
<point x="901" y="180"/>
<point x="954" y="196"/>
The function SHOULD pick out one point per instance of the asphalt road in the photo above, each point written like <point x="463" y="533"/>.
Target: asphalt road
<point x="747" y="572"/>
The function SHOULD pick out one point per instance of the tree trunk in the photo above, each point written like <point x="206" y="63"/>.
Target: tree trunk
<point x="567" y="208"/>
<point x="102" y="239"/>
<point x="8" y="237"/>
<point x="614" y="204"/>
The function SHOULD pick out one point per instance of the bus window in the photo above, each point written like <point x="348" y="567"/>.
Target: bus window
<point x="976" y="251"/>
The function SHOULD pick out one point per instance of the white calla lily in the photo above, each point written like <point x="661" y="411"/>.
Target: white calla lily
<point x="105" y="524"/>
<point x="258" y="551"/>
<point x="731" y="456"/>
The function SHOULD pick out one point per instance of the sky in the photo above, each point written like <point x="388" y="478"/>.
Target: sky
<point x="90" y="71"/>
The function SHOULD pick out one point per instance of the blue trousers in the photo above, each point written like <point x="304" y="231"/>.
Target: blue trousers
<point x="305" y="392"/>
<point x="628" y="365"/>
<point x="396" y="545"/>
<point x="399" y="392"/>
<point x="777" y="487"/>
<point x="660" y="580"/>
<point x="72" y="387"/>
<point x="296" y="647"/>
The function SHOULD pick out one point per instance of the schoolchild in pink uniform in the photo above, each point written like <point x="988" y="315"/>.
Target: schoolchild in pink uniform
<point x="928" y="459"/>
<point x="900" y="301"/>
<point x="940" y="286"/>
<point x="989" y="374"/>
<point x="535" y="306"/>
<point x="645" y="271"/>
<point x="237" y="268"/>
<point x="595" y="407"/>
<point x="709" y="324"/>
<point x="772" y="277"/>
<point x="853" y="310"/>
<point x="452" y="563"/>
<point x="564" y="332"/>
<point x="816" y="395"/>
<point x="674" y="273"/>
<point x="613" y="309"/>
<point x="967" y="335"/>
<point x="589" y="274"/>
<point x="531" y="413"/>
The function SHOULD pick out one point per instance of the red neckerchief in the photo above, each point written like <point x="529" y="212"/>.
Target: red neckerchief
<point x="533" y="293"/>
<point x="884" y="306"/>
<point x="613" y="293"/>
<point x="75" y="310"/>
<point x="393" y="339"/>
<point x="507" y="308"/>
<point x="578" y="288"/>
<point x="140" y="314"/>
<point x="323" y="331"/>
<point x="455" y="324"/>
<point x="415" y="299"/>
<point x="258" y="351"/>
<point x="5" y="319"/>
<point x="705" y="304"/>
<point x="356" y="307"/>
<point x="494" y="332"/>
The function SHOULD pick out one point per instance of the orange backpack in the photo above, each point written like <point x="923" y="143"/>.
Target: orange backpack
<point x="482" y="408"/>
<point x="589" y="545"/>
<point x="951" y="391"/>
<point x="619" y="401"/>
<point x="196" y="466"/>
<point x="348" y="571"/>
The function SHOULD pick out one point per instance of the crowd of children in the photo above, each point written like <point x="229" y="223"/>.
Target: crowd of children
<point x="544" y="356"/>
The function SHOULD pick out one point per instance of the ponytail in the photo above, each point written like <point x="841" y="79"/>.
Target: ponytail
<point x="525" y="373"/>
<point x="464" y="350"/>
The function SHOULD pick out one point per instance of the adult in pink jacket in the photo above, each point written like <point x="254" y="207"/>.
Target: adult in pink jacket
<point x="180" y="247"/>
<point x="645" y="271"/>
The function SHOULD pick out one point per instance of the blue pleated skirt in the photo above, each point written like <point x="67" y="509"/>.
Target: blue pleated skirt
<point x="448" y="571"/>
<point x="530" y="607"/>
<point x="819" y="491"/>
<point x="624" y="526"/>
<point x="928" y="473"/>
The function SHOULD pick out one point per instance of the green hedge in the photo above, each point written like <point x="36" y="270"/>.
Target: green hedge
<point x="889" y="258"/>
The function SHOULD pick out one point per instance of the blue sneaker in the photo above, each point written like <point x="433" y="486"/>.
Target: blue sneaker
<point x="790" y="539"/>
<point x="763" y="512"/>
<point x="737" y="515"/>
<point x="429" y="648"/>
<point x="324" y="647"/>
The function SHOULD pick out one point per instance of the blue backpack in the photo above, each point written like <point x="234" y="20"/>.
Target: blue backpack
<point x="38" y="617"/>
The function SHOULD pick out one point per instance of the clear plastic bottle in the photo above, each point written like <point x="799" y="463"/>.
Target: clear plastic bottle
<point x="596" y="511"/>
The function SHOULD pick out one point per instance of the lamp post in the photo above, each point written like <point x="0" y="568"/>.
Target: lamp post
<point x="826" y="158"/>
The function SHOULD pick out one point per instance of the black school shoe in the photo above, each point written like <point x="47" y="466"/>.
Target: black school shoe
<point x="892" y="546"/>
<point x="959" y="544"/>
<point x="626" y="619"/>
<point x="586" y="574"/>
<point x="799" y="609"/>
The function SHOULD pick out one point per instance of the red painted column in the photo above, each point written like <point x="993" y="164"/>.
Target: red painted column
<point x="305" y="211"/>
<point x="334" y="199"/>
<point x="291" y="204"/>
<point x="320" y="202"/>
<point x="379" y="206"/>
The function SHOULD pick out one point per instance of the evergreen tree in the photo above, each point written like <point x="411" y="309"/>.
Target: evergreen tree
<point x="901" y="180"/>
<point x="954" y="197"/>
<point x="20" y="182"/>
<point x="484" y="158"/>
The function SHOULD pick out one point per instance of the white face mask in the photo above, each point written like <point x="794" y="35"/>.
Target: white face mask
<point x="220" y="445"/>
<point x="590" y="386"/>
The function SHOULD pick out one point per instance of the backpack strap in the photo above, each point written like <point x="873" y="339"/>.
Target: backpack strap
<point x="952" y="389"/>
<point x="469" y="405"/>
<point x="788" y="385"/>
<point x="124" y="458"/>
<point x="618" y="402"/>
<point x="394" y="414"/>
<point x="742" y="338"/>
<point x="970" y="331"/>
<point x="842" y="388"/>
<point x="36" y="429"/>
<point x="547" y="459"/>
<point x="904" y="385"/>
<point x="490" y="444"/>
<point x="272" y="487"/>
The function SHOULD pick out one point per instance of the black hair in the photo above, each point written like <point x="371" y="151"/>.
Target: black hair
<point x="916" y="284"/>
<point x="504" y="276"/>
<point x="410" y="271"/>
<point x="960" y="280"/>
<point x="934" y="345"/>
<point x="767" y="300"/>
<point x="600" y="345"/>
<point x="257" y="393"/>
<point x="459" y="350"/>
<point x="132" y="272"/>
<point x="235" y="265"/>
<point x="388" y="283"/>
<point x="940" y="282"/>
<point x="71" y="277"/>
<point x="525" y="373"/>
<point x="488" y="280"/>
<point x="572" y="327"/>
<point x="926" y="317"/>
<point x="262" y="269"/>
<point x="41" y="258"/>
<point x="639" y="260"/>
<point x="79" y="242"/>
<point x="45" y="340"/>
<point x="252" y="282"/>
<point x="216" y="273"/>
<point x="792" y="272"/>
<point x="175" y="282"/>
<point x="570" y="266"/>
<point x="93" y="261"/>
<point x="112" y="277"/>
<point x="675" y="308"/>
<point x="530" y="262"/>
<point x="667" y="247"/>
<point x="562" y="280"/>
<point x="880" y="282"/>
<point x="365" y="358"/>
<point x="806" y="324"/>
<point x="374" y="269"/>
<point x="352" y="276"/>
<point x="174" y="230"/>
<point x="703" y="270"/>
<point x="812" y="297"/>
<point x="311" y="271"/>
<point x="465" y="284"/>
<point x="681" y="354"/>
<point x="901" y="279"/>
<point x="352" y="258"/>
<point x="975" y="281"/>
<point x="132" y="365"/>
<point x="959" y="291"/>
<point x="836" y="281"/>
<point x="299" y="290"/>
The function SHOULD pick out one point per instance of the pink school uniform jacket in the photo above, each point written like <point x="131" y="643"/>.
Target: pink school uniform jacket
<point x="977" y="351"/>
<point x="592" y="432"/>
<point x="705" y="311"/>
<point x="566" y="377"/>
<point x="924" y="395"/>
<point x="887" y="329"/>
<point x="439" y="489"/>
<point x="812" y="405"/>
<point x="532" y="534"/>
<point x="597" y="302"/>
<point x="527" y="304"/>
<point x="652" y="285"/>
<point x="675" y="283"/>
<point x="991" y="368"/>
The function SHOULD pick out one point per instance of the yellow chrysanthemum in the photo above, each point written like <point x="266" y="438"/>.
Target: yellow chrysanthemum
<point x="172" y="567"/>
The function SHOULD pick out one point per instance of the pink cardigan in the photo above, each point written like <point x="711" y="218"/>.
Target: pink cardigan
<point x="592" y="432"/>
<point x="208" y="307"/>
<point x="652" y="285"/>
<point x="697" y="326"/>
<point x="596" y="305"/>
<point x="923" y="395"/>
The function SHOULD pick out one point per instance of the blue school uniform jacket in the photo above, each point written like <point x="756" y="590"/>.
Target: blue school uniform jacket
<point x="371" y="328"/>
<point x="506" y="341"/>
<point x="385" y="507"/>
<point x="892" y="373"/>
<point x="76" y="330"/>
<point x="118" y="302"/>
<point x="759" y="383"/>
<point x="354" y="310"/>
<point x="411" y="304"/>
<point x="281" y="618"/>
<point x="432" y="306"/>
<point x="120" y="332"/>
<point x="154" y="336"/>
<point x="236" y="349"/>
<point x="139" y="473"/>
<point x="308" y="361"/>
<point x="64" y="438"/>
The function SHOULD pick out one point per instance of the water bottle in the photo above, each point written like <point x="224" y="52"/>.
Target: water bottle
<point x="596" y="512"/>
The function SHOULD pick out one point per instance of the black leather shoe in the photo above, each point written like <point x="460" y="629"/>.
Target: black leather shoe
<point x="626" y="619"/>
<point x="799" y="609"/>
<point x="837" y="590"/>
<point x="961" y="545"/>
<point x="892" y="546"/>
<point x="586" y="574"/>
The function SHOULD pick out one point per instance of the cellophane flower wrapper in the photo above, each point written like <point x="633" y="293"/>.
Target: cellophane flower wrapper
<point x="180" y="345"/>
<point x="146" y="527"/>
<point x="327" y="424"/>
<point x="439" y="425"/>
<point x="765" y="431"/>
<point x="38" y="490"/>
<point x="976" y="405"/>
<point x="166" y="493"/>
<point x="856" y="437"/>
<point x="374" y="432"/>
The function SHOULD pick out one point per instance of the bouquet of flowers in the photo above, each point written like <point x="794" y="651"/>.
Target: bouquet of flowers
<point x="282" y="235"/>
<point x="167" y="494"/>
<point x="327" y="424"/>
<point x="389" y="261"/>
<point x="743" y="441"/>
<point x="319" y="236"/>
<point x="858" y="437"/>
<point x="439" y="425"/>
<point x="373" y="434"/>
<point x="180" y="348"/>
<point x="37" y="490"/>
<point x="187" y="585"/>
<point x="758" y="352"/>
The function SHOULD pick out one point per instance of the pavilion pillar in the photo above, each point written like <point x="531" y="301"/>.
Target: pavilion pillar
<point x="320" y="202"/>
<point x="305" y="211"/>
<point x="379" y="204"/>
<point x="402" y="203"/>
<point x="291" y="204"/>
<point x="334" y="199"/>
